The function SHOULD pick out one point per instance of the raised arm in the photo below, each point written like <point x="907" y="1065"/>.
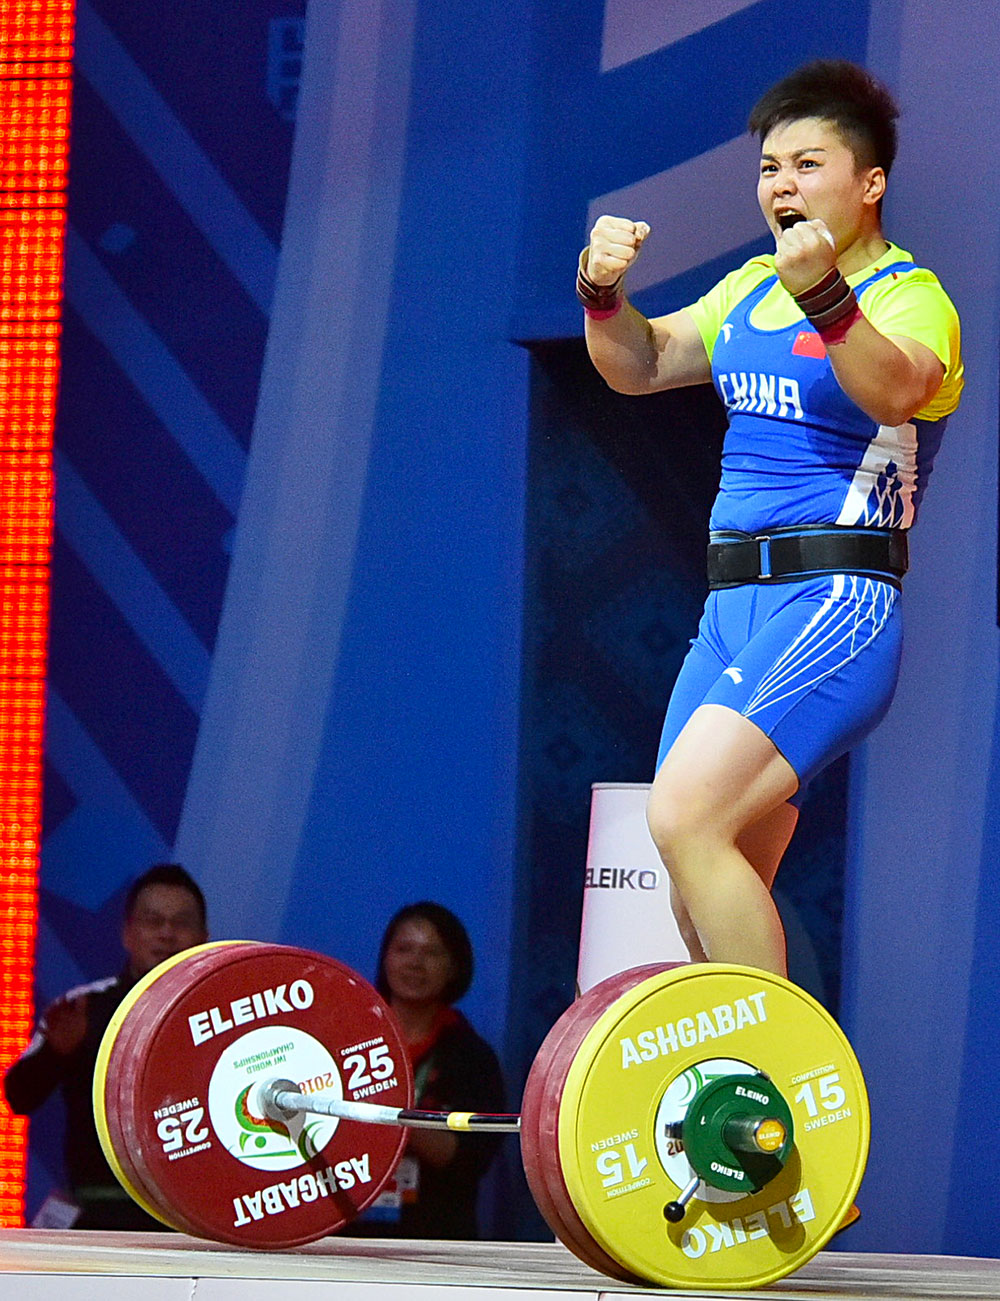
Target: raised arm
<point x="890" y="378"/>
<point x="632" y="353"/>
<point x="49" y="1057"/>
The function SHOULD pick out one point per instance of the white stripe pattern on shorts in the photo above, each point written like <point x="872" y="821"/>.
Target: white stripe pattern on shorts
<point x="846" y="622"/>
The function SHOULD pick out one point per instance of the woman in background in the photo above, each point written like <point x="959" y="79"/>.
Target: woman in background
<point x="425" y="966"/>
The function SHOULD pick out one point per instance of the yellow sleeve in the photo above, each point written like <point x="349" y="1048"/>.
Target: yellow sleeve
<point x="712" y="308"/>
<point x="913" y="305"/>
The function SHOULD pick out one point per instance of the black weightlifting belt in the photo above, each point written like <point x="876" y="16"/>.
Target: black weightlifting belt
<point x="786" y="555"/>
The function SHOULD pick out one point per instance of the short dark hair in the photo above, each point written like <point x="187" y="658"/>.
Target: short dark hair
<point x="453" y="935"/>
<point x="858" y="105"/>
<point x="165" y="874"/>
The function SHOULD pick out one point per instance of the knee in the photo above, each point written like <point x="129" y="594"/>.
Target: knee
<point x="674" y="823"/>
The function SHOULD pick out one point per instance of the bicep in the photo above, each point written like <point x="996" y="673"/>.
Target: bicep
<point x="681" y="357"/>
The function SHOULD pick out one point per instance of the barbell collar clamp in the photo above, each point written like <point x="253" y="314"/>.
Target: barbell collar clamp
<point x="756" y="1134"/>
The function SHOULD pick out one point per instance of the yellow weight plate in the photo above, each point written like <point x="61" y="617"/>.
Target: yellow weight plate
<point x="101" y="1074"/>
<point x="634" y="1076"/>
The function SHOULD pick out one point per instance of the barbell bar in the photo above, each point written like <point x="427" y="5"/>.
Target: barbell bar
<point x="281" y="1101"/>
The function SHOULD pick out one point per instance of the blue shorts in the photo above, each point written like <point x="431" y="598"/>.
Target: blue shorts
<point x="813" y="664"/>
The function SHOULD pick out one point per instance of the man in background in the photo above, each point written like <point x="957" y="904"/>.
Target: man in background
<point x="164" y="914"/>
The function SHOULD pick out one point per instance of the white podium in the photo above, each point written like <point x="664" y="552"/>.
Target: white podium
<point x="627" y="919"/>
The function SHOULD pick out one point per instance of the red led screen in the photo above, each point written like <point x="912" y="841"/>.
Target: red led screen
<point x="35" y="49"/>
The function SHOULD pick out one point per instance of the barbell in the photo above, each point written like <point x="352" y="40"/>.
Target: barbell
<point x="686" y="1125"/>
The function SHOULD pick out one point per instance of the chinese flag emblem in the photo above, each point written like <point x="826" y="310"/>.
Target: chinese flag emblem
<point x="808" y="344"/>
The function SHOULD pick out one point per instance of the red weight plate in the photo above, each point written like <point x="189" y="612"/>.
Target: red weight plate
<point x="127" y="1044"/>
<point x="99" y="1094"/>
<point x="540" y="1117"/>
<point x="194" y="1051"/>
<point x="128" y="1047"/>
<point x="145" y="1026"/>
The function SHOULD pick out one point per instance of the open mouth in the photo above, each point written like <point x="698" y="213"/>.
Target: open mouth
<point x="786" y="220"/>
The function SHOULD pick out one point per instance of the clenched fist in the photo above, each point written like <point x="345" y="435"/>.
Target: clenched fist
<point x="614" y="246"/>
<point x="805" y="253"/>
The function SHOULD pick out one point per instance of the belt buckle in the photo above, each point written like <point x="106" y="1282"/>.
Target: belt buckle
<point x="763" y="541"/>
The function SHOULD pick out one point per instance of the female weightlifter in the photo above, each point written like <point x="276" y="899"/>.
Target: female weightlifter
<point x="837" y="359"/>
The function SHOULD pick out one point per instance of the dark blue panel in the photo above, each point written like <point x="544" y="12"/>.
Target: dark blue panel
<point x="58" y="801"/>
<point x="684" y="289"/>
<point x="164" y="265"/>
<point x="209" y="62"/>
<point x="692" y="96"/>
<point x="119" y="694"/>
<point x="562" y="317"/>
<point x="159" y="502"/>
<point x="89" y="936"/>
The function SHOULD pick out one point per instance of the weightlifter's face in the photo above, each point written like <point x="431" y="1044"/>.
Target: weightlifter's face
<point x="165" y="920"/>
<point x="809" y="171"/>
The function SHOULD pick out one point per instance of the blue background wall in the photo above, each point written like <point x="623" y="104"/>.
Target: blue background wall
<point x="308" y="243"/>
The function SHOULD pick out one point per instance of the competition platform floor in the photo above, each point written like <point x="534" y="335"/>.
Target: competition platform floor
<point x="47" y="1264"/>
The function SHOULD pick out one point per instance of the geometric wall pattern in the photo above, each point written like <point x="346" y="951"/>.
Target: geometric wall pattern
<point x="182" y="138"/>
<point x="176" y="199"/>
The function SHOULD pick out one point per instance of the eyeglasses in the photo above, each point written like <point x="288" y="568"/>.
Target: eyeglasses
<point x="152" y="921"/>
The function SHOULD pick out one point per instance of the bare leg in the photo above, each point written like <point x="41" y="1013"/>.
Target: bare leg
<point x="763" y="845"/>
<point x="721" y="779"/>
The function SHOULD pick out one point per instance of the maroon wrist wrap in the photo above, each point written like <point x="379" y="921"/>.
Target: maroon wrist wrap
<point x="831" y="306"/>
<point x="837" y="331"/>
<point x="599" y="301"/>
